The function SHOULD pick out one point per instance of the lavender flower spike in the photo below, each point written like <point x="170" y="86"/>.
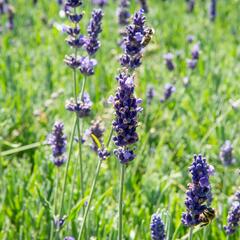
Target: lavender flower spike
<point x="57" y="141"/>
<point x="157" y="228"/>
<point x="123" y="12"/>
<point x="92" y="43"/>
<point x="169" y="89"/>
<point x="100" y="3"/>
<point x="213" y="10"/>
<point x="168" y="61"/>
<point x="199" y="195"/>
<point x="144" y="5"/>
<point x="226" y="153"/>
<point x="191" y="5"/>
<point x="233" y="216"/>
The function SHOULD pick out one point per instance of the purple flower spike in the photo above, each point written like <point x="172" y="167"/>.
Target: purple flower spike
<point x="199" y="195"/>
<point x="94" y="28"/>
<point x="57" y="141"/>
<point x="169" y="89"/>
<point x="100" y="3"/>
<point x="69" y="238"/>
<point x="192" y="63"/>
<point x="213" y="10"/>
<point x="168" y="61"/>
<point x="124" y="155"/>
<point x="226" y="153"/>
<point x="126" y="108"/>
<point x="123" y="12"/>
<point x="157" y="228"/>
<point x="195" y="52"/>
<point x="86" y="65"/>
<point x="144" y="5"/>
<point x="233" y="216"/>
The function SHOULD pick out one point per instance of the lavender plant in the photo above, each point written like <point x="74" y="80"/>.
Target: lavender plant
<point x="168" y="57"/>
<point x="100" y="3"/>
<point x="199" y="195"/>
<point x="123" y="12"/>
<point x="233" y="216"/>
<point x="80" y="104"/>
<point x="126" y="105"/>
<point x="169" y="89"/>
<point x="157" y="227"/>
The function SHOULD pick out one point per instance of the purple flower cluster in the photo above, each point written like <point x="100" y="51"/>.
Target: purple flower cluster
<point x="150" y="94"/>
<point x="192" y="63"/>
<point x="233" y="216"/>
<point x="57" y="141"/>
<point x="144" y="5"/>
<point x="199" y="195"/>
<point x="190" y="5"/>
<point x="213" y="10"/>
<point x="126" y="106"/>
<point x="136" y="39"/>
<point x="8" y="9"/>
<point x="226" y="153"/>
<point x="100" y="3"/>
<point x="123" y="12"/>
<point x="157" y="228"/>
<point x="169" y="89"/>
<point x="92" y="44"/>
<point x="168" y="57"/>
<point x="81" y="107"/>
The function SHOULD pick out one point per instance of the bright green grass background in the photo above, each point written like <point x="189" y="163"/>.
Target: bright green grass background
<point x="197" y="119"/>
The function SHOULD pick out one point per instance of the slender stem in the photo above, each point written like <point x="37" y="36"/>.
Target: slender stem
<point x="190" y="233"/>
<point x="110" y="138"/>
<point x="67" y="167"/>
<point x="120" y="206"/>
<point x="83" y="87"/>
<point x="90" y="199"/>
<point x="55" y="203"/>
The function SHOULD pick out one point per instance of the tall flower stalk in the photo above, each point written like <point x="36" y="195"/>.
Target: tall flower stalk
<point x="126" y="105"/>
<point x="80" y="104"/>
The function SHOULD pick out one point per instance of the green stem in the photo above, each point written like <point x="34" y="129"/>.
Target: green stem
<point x="67" y="167"/>
<point x="55" y="203"/>
<point x="190" y="233"/>
<point x="120" y="206"/>
<point x="90" y="199"/>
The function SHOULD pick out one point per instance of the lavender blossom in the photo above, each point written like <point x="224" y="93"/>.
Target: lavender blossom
<point x="100" y="3"/>
<point x="135" y="41"/>
<point x="169" y="89"/>
<point x="86" y="65"/>
<point x="233" y="216"/>
<point x="157" y="228"/>
<point x="73" y="3"/>
<point x="92" y="43"/>
<point x="190" y="5"/>
<point x="195" y="52"/>
<point x="190" y="38"/>
<point x="123" y="12"/>
<point x="168" y="61"/>
<point x="124" y="155"/>
<point x="199" y="195"/>
<point x="213" y="10"/>
<point x="144" y="5"/>
<point x="57" y="141"/>
<point x="226" y="153"/>
<point x="69" y="238"/>
<point x="81" y="107"/>
<point x="150" y="94"/>
<point x="192" y="63"/>
<point x="103" y="153"/>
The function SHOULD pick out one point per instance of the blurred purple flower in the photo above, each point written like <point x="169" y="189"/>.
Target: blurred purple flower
<point x="168" y="61"/>
<point x="226" y="153"/>
<point x="157" y="228"/>
<point x="169" y="89"/>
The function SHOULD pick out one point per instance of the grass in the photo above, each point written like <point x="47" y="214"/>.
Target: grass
<point x="197" y="119"/>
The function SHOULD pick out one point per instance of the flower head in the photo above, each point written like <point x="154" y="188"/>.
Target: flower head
<point x="100" y="3"/>
<point x="126" y="109"/>
<point x="81" y="107"/>
<point x="195" y="52"/>
<point x="169" y="61"/>
<point x="192" y="63"/>
<point x="94" y="28"/>
<point x="150" y="94"/>
<point x="124" y="155"/>
<point x="213" y="10"/>
<point x="123" y="12"/>
<point x="157" y="227"/>
<point x="233" y="216"/>
<point x="199" y="195"/>
<point x="86" y="65"/>
<point x="169" y="89"/>
<point x="226" y="153"/>
<point x="57" y="141"/>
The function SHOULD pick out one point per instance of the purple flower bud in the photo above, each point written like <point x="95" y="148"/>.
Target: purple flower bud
<point x="73" y="3"/>
<point x="82" y="107"/>
<point x="226" y="153"/>
<point x="124" y="155"/>
<point x="144" y="5"/>
<point x="123" y="12"/>
<point x="190" y="38"/>
<point x="103" y="153"/>
<point x="168" y="61"/>
<point x="100" y="3"/>
<point x="69" y="238"/>
<point x="192" y="63"/>
<point x="86" y="65"/>
<point x="213" y="10"/>
<point x="195" y="52"/>
<point x="150" y="94"/>
<point x="157" y="228"/>
<point x="169" y="89"/>
<point x="57" y="141"/>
